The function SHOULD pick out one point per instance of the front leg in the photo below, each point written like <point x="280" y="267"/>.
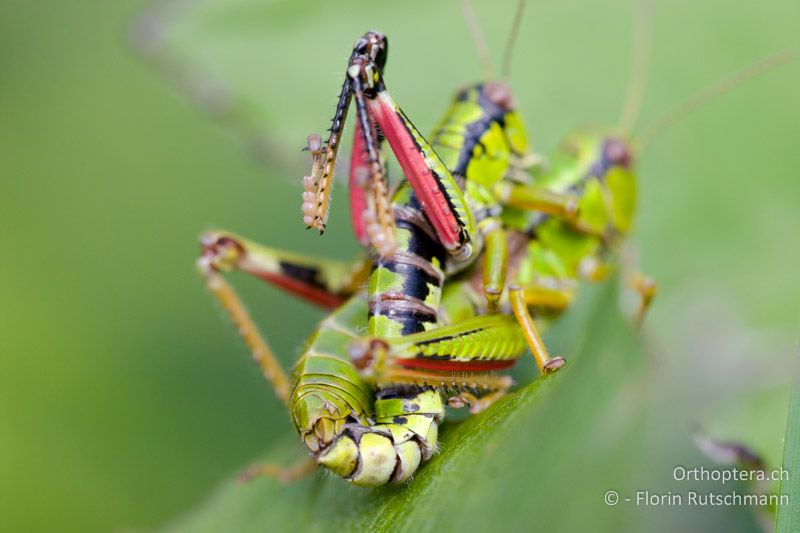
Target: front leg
<point x="438" y="192"/>
<point x="319" y="183"/>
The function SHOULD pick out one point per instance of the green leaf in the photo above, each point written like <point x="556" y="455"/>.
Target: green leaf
<point x="570" y="436"/>
<point x="789" y="514"/>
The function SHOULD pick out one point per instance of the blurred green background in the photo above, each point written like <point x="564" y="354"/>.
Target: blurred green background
<point x="125" y="395"/>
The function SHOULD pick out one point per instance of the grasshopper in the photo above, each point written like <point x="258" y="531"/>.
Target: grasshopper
<point x="439" y="317"/>
<point x="368" y="408"/>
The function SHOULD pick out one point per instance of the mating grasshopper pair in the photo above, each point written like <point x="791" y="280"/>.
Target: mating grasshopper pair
<point x="475" y="209"/>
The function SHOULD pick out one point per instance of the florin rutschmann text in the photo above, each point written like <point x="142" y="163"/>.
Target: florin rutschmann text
<point x="759" y="489"/>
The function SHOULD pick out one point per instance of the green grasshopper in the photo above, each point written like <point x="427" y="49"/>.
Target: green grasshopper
<point x="569" y="216"/>
<point x="368" y="406"/>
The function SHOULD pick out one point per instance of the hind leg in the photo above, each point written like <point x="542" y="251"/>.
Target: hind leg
<point x="323" y="282"/>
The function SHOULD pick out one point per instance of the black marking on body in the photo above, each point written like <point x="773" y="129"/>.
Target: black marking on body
<point x="433" y="357"/>
<point x="405" y="215"/>
<point x="416" y="268"/>
<point x="409" y="407"/>
<point x="404" y="392"/>
<point x="413" y="319"/>
<point x="421" y="244"/>
<point x="308" y="275"/>
<point x="475" y="130"/>
<point x="449" y="337"/>
<point x="417" y="282"/>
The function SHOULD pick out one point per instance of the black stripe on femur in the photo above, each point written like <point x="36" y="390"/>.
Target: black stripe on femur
<point x="433" y="357"/>
<point x="307" y="275"/>
<point x="448" y="337"/>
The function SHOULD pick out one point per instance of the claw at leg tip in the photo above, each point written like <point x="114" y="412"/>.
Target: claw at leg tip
<point x="553" y="365"/>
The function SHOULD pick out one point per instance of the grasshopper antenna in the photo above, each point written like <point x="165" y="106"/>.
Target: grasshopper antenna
<point x="478" y="38"/>
<point x="658" y="125"/>
<point x="512" y="39"/>
<point x="640" y="63"/>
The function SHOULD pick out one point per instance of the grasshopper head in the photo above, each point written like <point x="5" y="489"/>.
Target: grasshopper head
<point x="500" y="94"/>
<point x="592" y="153"/>
<point x="615" y="151"/>
<point x="588" y="162"/>
<point x="496" y="129"/>
<point x="319" y="417"/>
<point x="329" y="394"/>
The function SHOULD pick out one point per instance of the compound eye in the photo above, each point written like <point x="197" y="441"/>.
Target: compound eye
<point x="500" y="94"/>
<point x="616" y="152"/>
